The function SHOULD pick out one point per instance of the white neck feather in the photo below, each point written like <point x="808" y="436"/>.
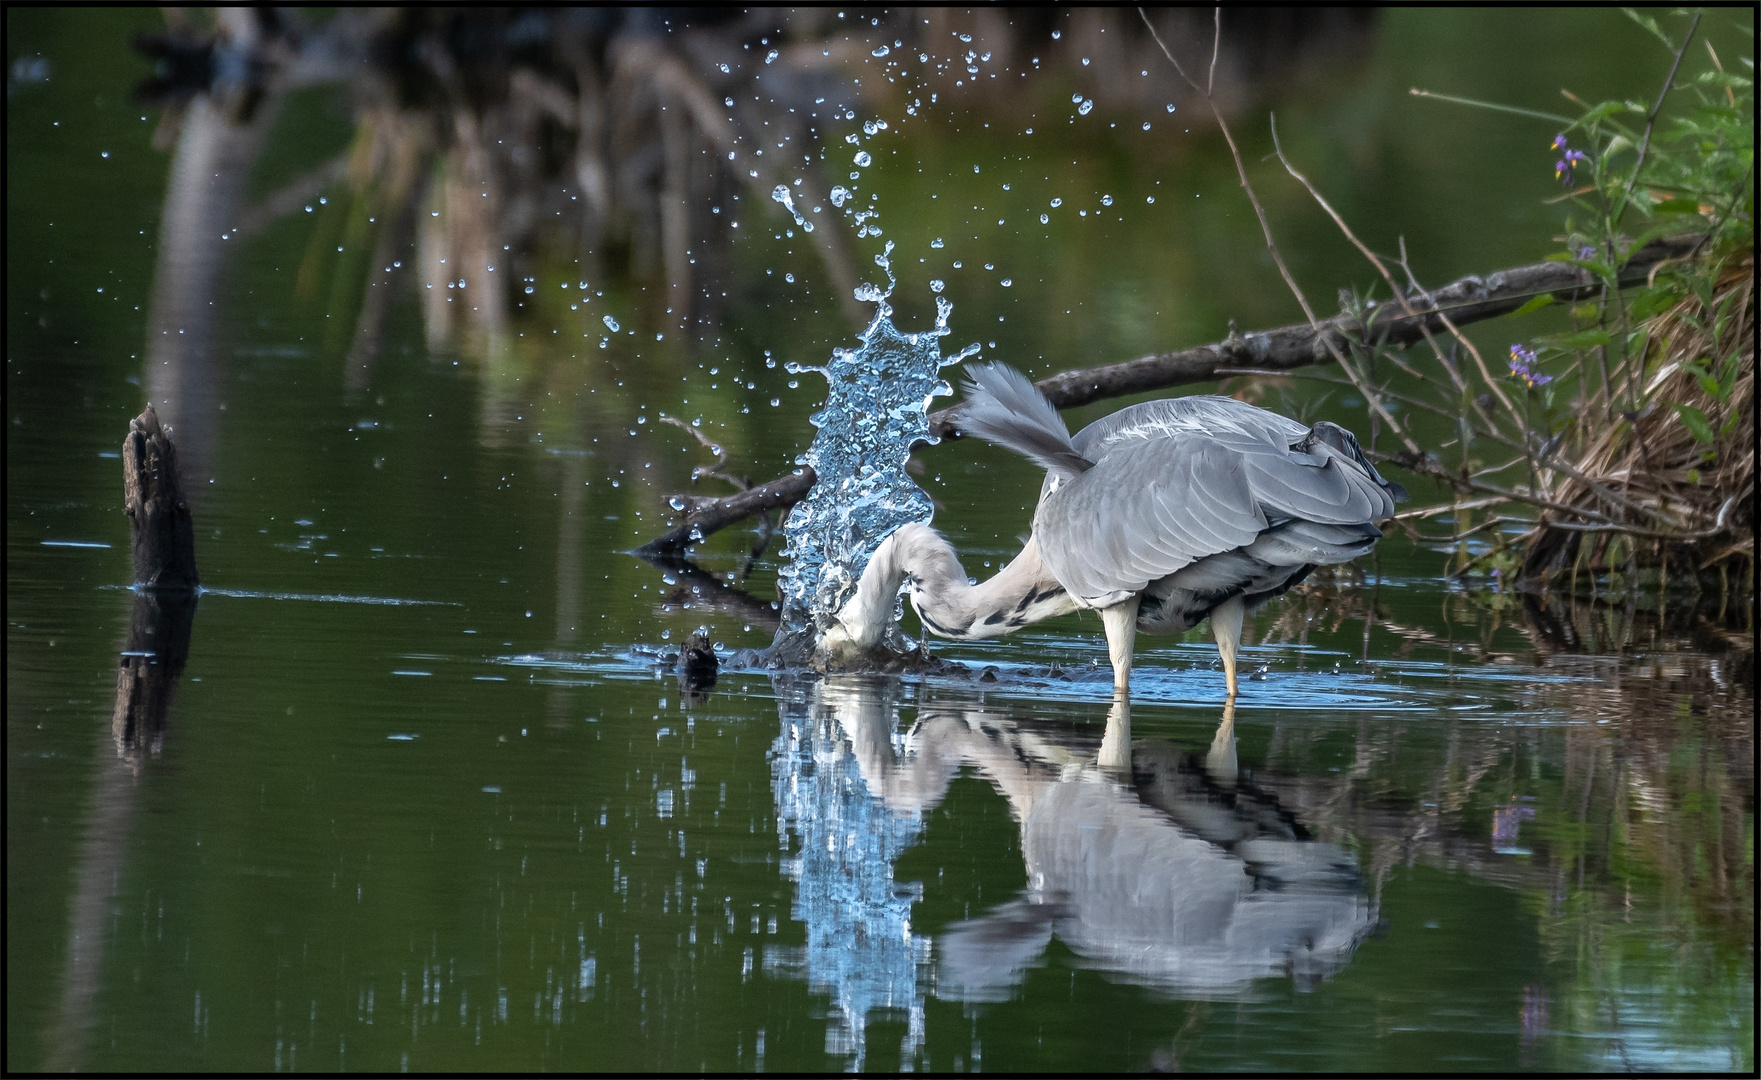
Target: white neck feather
<point x="1022" y="592"/>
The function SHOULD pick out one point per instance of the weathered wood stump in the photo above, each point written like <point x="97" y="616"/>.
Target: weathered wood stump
<point x="163" y="546"/>
<point x="163" y="538"/>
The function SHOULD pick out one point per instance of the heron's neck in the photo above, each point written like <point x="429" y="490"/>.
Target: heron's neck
<point x="1020" y="593"/>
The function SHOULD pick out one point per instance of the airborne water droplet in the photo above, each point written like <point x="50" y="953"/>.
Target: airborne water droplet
<point x="862" y="159"/>
<point x="611" y="324"/>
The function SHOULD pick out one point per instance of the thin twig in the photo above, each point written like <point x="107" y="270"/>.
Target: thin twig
<point x="721" y="455"/>
<point x="1266" y="230"/>
<point x="1380" y="268"/>
<point x="1657" y="107"/>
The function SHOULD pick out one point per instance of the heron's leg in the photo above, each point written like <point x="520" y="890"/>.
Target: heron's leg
<point x="1226" y="625"/>
<point x="1120" y="622"/>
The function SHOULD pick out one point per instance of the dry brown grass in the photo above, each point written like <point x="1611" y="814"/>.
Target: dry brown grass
<point x="1651" y="461"/>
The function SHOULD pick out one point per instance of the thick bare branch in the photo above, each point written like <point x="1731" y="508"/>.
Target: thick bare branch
<point x="1471" y="299"/>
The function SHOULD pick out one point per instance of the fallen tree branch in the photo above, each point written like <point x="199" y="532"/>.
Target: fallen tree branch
<point x="1468" y="300"/>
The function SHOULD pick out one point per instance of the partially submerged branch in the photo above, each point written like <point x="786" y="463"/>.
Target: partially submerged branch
<point x="1468" y="300"/>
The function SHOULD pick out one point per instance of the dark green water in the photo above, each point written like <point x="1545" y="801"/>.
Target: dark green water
<point x="429" y="795"/>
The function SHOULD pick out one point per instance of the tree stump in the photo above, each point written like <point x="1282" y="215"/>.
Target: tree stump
<point x="163" y="538"/>
<point x="163" y="546"/>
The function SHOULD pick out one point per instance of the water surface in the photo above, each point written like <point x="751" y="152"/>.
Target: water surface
<point x="430" y="796"/>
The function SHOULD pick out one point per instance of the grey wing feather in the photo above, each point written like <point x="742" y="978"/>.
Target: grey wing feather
<point x="1004" y="407"/>
<point x="1156" y="487"/>
<point x="1174" y="486"/>
<point x="1144" y="511"/>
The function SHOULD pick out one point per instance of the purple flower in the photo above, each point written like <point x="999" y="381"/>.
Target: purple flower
<point x="1563" y="168"/>
<point x="1568" y="162"/>
<point x="1523" y="365"/>
<point x="1586" y="252"/>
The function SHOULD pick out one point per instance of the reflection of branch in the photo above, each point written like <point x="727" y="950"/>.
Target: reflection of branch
<point x="292" y="196"/>
<point x="703" y="591"/>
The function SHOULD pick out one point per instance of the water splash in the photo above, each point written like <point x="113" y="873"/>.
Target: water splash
<point x="876" y="410"/>
<point x="782" y="194"/>
<point x="862" y="951"/>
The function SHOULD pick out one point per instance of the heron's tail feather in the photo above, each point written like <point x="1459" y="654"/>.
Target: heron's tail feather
<point x="1004" y="407"/>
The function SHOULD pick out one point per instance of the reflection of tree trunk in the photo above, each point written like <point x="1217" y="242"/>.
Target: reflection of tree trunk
<point x="97" y="880"/>
<point x="407" y="150"/>
<point x="202" y="198"/>
<point x="152" y="662"/>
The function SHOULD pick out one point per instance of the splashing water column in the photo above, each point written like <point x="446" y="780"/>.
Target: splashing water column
<point x="876" y="410"/>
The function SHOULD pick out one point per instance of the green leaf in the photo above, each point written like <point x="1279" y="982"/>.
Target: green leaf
<point x="1601" y="112"/>
<point x="1657" y="298"/>
<point x="1650" y="24"/>
<point x="1695" y="421"/>
<point x="1583" y="339"/>
<point x="1594" y="266"/>
<point x="1535" y="304"/>
<point x="1676" y="206"/>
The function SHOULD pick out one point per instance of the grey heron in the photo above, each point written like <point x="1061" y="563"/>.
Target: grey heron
<point x="1159" y="516"/>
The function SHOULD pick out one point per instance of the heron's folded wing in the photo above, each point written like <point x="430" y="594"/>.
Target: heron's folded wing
<point x="1144" y="511"/>
<point x="1318" y="484"/>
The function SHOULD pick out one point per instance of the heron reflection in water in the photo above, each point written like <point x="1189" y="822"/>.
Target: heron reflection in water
<point x="1159" y="516"/>
<point x="1152" y="864"/>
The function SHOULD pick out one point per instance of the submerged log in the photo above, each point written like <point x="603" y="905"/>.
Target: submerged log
<point x="162" y="538"/>
<point x="1470" y="299"/>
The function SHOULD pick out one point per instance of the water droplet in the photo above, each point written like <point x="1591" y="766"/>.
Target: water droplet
<point x="1008" y="282"/>
<point x="1146" y="125"/>
<point x="1076" y="99"/>
<point x="770" y="57"/>
<point x="1170" y="108"/>
<point x="840" y="195"/>
<point x="936" y="285"/>
<point x="1045" y="219"/>
<point x="1087" y="106"/>
<point x="1106" y="200"/>
<point x="611" y="324"/>
<point x="880" y="52"/>
<point x="936" y="243"/>
<point x="862" y="159"/>
<point x="1057" y="203"/>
